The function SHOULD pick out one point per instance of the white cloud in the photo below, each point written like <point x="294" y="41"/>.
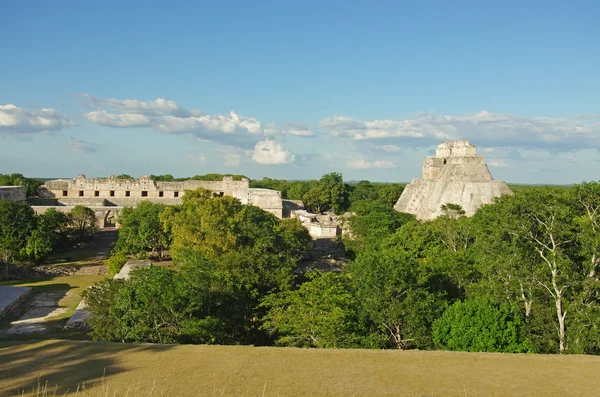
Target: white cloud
<point x="77" y="145"/>
<point x="364" y="164"/>
<point x="196" y="159"/>
<point x="156" y="107"/>
<point x="124" y="120"/>
<point x="16" y="120"/>
<point x="270" y="152"/>
<point x="498" y="164"/>
<point x="227" y="124"/>
<point x="298" y="129"/>
<point x="389" y="148"/>
<point x="483" y="128"/>
<point x="168" y="117"/>
<point x="232" y="159"/>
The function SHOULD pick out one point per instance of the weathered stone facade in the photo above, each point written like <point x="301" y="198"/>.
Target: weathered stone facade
<point x="13" y="193"/>
<point x="128" y="192"/>
<point x="318" y="225"/>
<point x="454" y="175"/>
<point x="107" y="196"/>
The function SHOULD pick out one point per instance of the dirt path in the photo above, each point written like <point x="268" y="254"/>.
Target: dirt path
<point x="104" y="242"/>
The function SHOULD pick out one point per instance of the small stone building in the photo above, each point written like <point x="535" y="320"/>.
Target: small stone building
<point x="318" y="225"/>
<point x="454" y="175"/>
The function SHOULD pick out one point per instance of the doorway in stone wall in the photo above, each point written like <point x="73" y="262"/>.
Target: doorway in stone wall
<point x="110" y="221"/>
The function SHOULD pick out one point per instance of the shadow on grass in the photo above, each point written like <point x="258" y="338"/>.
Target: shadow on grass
<point x="64" y="364"/>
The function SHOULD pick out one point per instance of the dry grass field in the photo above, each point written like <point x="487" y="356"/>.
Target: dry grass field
<point x="186" y="370"/>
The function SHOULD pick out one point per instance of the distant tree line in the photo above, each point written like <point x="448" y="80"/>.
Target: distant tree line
<point x="206" y="177"/>
<point x="331" y="193"/>
<point x="31" y="185"/>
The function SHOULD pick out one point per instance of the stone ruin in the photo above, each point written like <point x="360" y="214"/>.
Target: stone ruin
<point x="13" y="193"/>
<point x="454" y="175"/>
<point x="108" y="196"/>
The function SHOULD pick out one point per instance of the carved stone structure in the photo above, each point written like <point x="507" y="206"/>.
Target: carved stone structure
<point x="454" y="175"/>
<point x="318" y="225"/>
<point x="107" y="196"/>
<point x="13" y="193"/>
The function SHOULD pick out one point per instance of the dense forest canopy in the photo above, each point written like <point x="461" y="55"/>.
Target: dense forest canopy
<point x="521" y="275"/>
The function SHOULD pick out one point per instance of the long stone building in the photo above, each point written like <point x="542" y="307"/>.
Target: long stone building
<point x="454" y="175"/>
<point x="107" y="196"/>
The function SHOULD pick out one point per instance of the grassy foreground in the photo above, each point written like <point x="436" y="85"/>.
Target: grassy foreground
<point x="187" y="370"/>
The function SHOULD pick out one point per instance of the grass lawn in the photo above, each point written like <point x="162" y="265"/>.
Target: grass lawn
<point x="187" y="370"/>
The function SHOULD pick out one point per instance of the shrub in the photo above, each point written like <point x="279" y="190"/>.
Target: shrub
<point x="478" y="325"/>
<point x="116" y="262"/>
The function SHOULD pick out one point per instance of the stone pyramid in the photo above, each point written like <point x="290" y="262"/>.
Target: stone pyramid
<point x="454" y="175"/>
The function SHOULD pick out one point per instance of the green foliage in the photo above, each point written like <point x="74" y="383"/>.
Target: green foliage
<point x="520" y="275"/>
<point x="330" y="193"/>
<point x="394" y="296"/>
<point x="39" y="245"/>
<point x="389" y="193"/>
<point x="453" y="211"/>
<point x="162" y="178"/>
<point x="246" y="251"/>
<point x="83" y="222"/>
<point x="116" y="262"/>
<point x="478" y="325"/>
<point x="318" y="314"/>
<point x="17" y="221"/>
<point x="216" y="177"/>
<point x="141" y="230"/>
<point x="124" y="176"/>
<point x="31" y="185"/>
<point x="372" y="223"/>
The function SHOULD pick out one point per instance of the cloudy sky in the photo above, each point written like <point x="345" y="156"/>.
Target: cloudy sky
<point x="298" y="89"/>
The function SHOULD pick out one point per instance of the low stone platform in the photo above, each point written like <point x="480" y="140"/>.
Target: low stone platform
<point x="78" y="319"/>
<point x="11" y="297"/>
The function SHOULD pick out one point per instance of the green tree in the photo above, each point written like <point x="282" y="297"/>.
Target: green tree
<point x="318" y="314"/>
<point x="17" y="221"/>
<point x="31" y="185"/>
<point x="334" y="188"/>
<point x="316" y="199"/>
<point x="372" y="224"/>
<point x="478" y="325"/>
<point x="141" y="230"/>
<point x="83" y="222"/>
<point x="394" y="297"/>
<point x="39" y="245"/>
<point x="257" y="251"/>
<point x="389" y="193"/>
<point x="362" y="191"/>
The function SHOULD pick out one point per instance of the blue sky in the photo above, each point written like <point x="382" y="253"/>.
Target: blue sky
<point x="297" y="89"/>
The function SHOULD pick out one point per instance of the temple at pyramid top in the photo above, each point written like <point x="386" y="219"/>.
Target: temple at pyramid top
<point x="454" y="175"/>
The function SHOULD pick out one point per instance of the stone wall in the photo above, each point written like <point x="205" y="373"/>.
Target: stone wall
<point x="266" y="199"/>
<point x="13" y="193"/>
<point x="99" y="193"/>
<point x="454" y="175"/>
<point x="132" y="190"/>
